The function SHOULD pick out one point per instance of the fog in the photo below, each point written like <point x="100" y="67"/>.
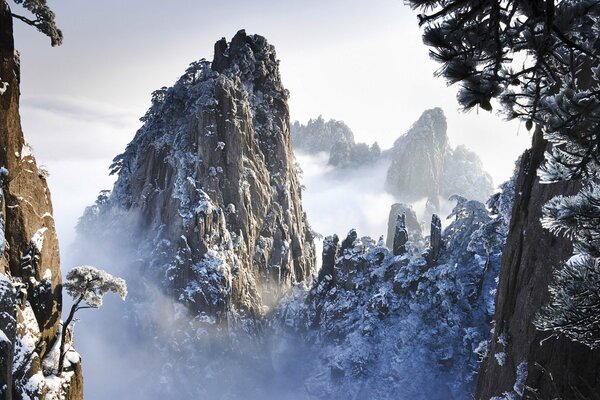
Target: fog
<point x="150" y="346"/>
<point x="81" y="105"/>
<point x="339" y="199"/>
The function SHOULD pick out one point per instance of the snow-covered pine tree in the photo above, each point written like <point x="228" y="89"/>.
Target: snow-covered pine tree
<point x="574" y="309"/>
<point x="87" y="286"/>
<point x="540" y="59"/>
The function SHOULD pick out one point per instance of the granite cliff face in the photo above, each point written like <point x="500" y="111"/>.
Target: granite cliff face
<point x="425" y="166"/>
<point x="30" y="277"/>
<point x="210" y="186"/>
<point x="523" y="362"/>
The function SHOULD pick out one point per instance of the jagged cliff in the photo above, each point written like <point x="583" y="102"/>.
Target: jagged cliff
<point x="522" y="361"/>
<point x="30" y="277"/>
<point x="210" y="184"/>
<point x="425" y="166"/>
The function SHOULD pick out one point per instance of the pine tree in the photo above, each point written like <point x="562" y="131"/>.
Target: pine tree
<point x="87" y="286"/>
<point x="44" y="19"/>
<point x="540" y="60"/>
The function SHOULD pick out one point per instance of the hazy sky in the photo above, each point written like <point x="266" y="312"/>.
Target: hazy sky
<point x="358" y="61"/>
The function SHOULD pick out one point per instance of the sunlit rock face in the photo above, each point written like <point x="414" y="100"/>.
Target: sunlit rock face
<point x="210" y="184"/>
<point x="425" y="166"/>
<point x="30" y="277"/>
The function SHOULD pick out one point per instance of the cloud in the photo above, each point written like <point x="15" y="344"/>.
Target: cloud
<point x="69" y="128"/>
<point x="337" y="200"/>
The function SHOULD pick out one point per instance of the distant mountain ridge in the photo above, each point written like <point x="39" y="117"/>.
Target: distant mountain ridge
<point x="337" y="139"/>
<point x="423" y="164"/>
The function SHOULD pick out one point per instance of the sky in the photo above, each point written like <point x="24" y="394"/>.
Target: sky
<point x="362" y="62"/>
<point x="359" y="61"/>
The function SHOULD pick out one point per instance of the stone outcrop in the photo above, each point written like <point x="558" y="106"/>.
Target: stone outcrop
<point x="211" y="186"/>
<point x="412" y="223"/>
<point x="331" y="250"/>
<point x="432" y="253"/>
<point x="30" y="277"/>
<point x="425" y="166"/>
<point x="522" y="361"/>
<point x="400" y="236"/>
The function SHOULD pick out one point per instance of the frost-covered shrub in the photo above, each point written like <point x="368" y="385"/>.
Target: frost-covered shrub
<point x="87" y="286"/>
<point x="574" y="308"/>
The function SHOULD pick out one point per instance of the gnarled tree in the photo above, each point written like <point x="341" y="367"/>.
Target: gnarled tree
<point x="87" y="286"/>
<point x="44" y="19"/>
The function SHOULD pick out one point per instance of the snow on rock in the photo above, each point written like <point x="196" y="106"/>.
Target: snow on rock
<point x="30" y="277"/>
<point x="38" y="239"/>
<point x="3" y="87"/>
<point x="382" y="326"/>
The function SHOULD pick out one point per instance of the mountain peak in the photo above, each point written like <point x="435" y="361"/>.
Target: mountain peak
<point x="425" y="166"/>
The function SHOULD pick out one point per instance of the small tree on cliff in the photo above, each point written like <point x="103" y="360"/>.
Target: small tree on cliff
<point x="540" y="59"/>
<point x="44" y="19"/>
<point x="87" y="286"/>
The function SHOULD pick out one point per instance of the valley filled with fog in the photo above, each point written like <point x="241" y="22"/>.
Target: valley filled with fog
<point x="235" y="206"/>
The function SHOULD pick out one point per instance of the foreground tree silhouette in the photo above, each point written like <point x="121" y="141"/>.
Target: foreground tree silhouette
<point x="44" y="19"/>
<point x="87" y="286"/>
<point x="540" y="60"/>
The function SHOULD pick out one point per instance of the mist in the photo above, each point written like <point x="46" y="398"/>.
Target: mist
<point x="150" y="346"/>
<point x="339" y="199"/>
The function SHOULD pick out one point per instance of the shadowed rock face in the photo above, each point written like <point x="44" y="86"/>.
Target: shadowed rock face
<point x="211" y="183"/>
<point x="425" y="166"/>
<point x="30" y="278"/>
<point x="555" y="367"/>
<point x="412" y="223"/>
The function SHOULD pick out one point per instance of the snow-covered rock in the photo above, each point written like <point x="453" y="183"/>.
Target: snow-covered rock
<point x="211" y="184"/>
<point x="380" y="326"/>
<point x="30" y="276"/>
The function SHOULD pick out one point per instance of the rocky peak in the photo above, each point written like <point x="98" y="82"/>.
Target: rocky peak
<point x="211" y="185"/>
<point x="400" y="236"/>
<point x="413" y="225"/>
<point x="425" y="166"/>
